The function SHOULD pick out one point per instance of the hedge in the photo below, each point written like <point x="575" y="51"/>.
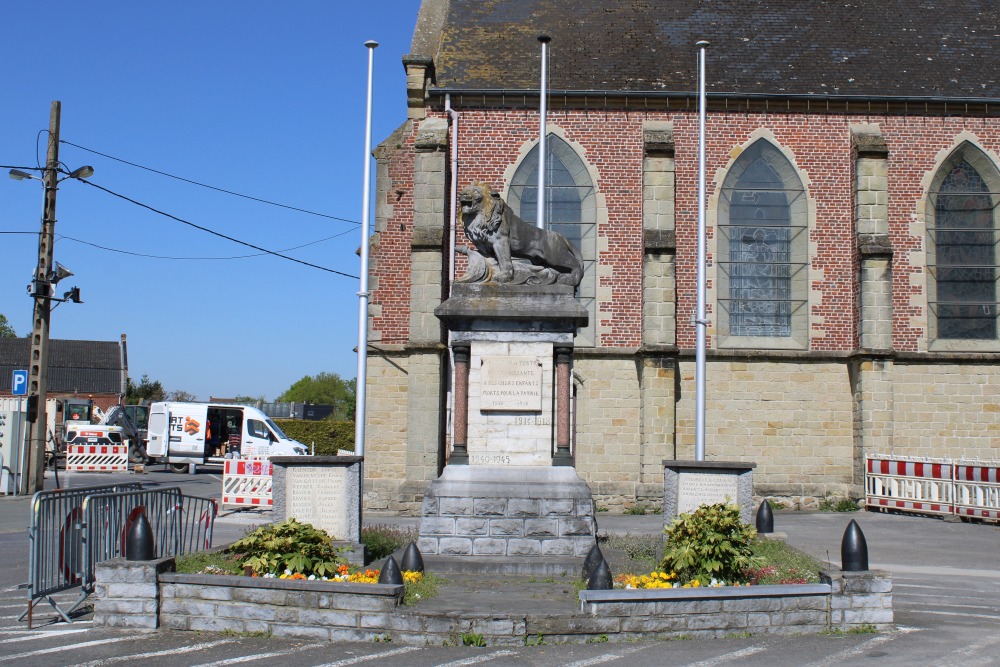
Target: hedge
<point x="328" y="436"/>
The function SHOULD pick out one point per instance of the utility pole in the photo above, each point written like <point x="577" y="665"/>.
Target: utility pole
<point x="38" y="371"/>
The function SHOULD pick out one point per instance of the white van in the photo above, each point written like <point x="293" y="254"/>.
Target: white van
<point x="199" y="433"/>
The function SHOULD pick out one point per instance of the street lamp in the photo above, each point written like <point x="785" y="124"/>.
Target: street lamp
<point x="45" y="279"/>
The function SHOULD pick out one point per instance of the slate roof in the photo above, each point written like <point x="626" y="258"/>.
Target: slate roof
<point x="84" y="366"/>
<point x="866" y="48"/>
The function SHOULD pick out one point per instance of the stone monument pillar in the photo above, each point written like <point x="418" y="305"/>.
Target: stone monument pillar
<point x="510" y="494"/>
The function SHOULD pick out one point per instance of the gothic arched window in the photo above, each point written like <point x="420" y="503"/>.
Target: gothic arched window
<point x="570" y="209"/>
<point x="962" y="248"/>
<point x="763" y="219"/>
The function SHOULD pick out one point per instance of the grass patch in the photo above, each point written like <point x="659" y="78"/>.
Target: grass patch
<point x="834" y="504"/>
<point x="783" y="564"/>
<point x="245" y="635"/>
<point x="416" y="591"/>
<point x="636" y="510"/>
<point x="776" y="504"/>
<point x="208" y="562"/>
<point x="473" y="639"/>
<point x="381" y="540"/>
<point x="866" y="629"/>
<point x="537" y="640"/>
<point x="631" y="553"/>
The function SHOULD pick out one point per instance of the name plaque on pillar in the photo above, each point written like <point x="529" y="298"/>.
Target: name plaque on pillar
<point x="317" y="496"/>
<point x="705" y="488"/>
<point x="511" y="383"/>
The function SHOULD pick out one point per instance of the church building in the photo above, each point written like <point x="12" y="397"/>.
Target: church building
<point x="852" y="191"/>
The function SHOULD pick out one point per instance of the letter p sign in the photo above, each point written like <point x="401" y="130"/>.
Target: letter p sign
<point x="19" y="383"/>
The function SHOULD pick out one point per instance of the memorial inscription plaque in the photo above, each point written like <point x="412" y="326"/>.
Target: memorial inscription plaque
<point x="705" y="488"/>
<point x="511" y="383"/>
<point x="316" y="496"/>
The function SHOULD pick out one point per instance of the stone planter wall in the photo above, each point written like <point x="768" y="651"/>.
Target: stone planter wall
<point x="148" y="595"/>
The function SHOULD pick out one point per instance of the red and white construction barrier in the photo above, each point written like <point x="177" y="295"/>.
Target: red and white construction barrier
<point x="101" y="458"/>
<point x="977" y="490"/>
<point x="247" y="482"/>
<point x="933" y="486"/>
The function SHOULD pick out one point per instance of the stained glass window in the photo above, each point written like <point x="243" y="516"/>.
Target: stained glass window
<point x="964" y="256"/>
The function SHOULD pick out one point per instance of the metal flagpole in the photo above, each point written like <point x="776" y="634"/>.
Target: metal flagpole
<point x="700" y="319"/>
<point x="359" y="408"/>
<point x="542" y="111"/>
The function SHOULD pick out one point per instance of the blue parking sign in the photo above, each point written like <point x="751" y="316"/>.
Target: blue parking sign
<point x="19" y="384"/>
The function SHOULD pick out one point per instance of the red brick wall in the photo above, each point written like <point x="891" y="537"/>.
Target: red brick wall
<point x="820" y="145"/>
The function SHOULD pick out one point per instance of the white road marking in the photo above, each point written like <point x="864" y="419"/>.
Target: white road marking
<point x="735" y="655"/>
<point x="373" y="656"/>
<point x="70" y="647"/>
<point x="952" y="613"/>
<point x="966" y="655"/>
<point x="34" y="634"/>
<point x="155" y="654"/>
<point x="845" y="655"/>
<point x="477" y="659"/>
<point x="260" y="656"/>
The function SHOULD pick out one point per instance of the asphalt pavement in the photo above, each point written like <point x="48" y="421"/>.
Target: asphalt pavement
<point x="946" y="594"/>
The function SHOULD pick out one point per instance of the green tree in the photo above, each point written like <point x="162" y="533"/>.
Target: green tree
<point x="324" y="389"/>
<point x="147" y="390"/>
<point x="182" y="396"/>
<point x="6" y="331"/>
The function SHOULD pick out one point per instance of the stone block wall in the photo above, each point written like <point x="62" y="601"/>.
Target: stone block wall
<point x="279" y="607"/>
<point x="793" y="418"/>
<point x="126" y="594"/>
<point x="859" y="598"/>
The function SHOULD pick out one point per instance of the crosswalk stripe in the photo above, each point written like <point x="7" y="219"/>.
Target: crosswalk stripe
<point x="259" y="656"/>
<point x="735" y="655"/>
<point x="477" y="659"/>
<point x="373" y="656"/>
<point x="70" y="647"/>
<point x="155" y="654"/>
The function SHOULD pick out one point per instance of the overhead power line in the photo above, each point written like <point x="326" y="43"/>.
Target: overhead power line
<point x="210" y="187"/>
<point x="213" y="232"/>
<point x="185" y="258"/>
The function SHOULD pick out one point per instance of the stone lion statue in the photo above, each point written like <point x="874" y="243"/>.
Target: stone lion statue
<point x="500" y="237"/>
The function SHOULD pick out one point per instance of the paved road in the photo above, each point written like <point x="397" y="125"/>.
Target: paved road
<point x="946" y="593"/>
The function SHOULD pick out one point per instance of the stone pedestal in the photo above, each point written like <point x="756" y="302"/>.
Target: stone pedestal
<point x="688" y="484"/>
<point x="508" y="513"/>
<point x="324" y="491"/>
<point x="509" y="493"/>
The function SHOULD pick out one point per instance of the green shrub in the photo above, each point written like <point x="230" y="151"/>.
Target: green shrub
<point x="288" y="545"/>
<point x="636" y="509"/>
<point x="710" y="543"/>
<point x="329" y="436"/>
<point x="382" y="540"/>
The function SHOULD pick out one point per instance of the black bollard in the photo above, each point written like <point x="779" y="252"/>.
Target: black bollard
<point x="139" y="540"/>
<point x="854" y="549"/>
<point x="601" y="580"/>
<point x="765" y="519"/>
<point x="390" y="573"/>
<point x="590" y="563"/>
<point x="412" y="561"/>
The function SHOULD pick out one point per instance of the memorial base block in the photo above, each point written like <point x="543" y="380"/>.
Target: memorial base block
<point x="519" y="513"/>
<point x="324" y="491"/>
<point x="689" y="484"/>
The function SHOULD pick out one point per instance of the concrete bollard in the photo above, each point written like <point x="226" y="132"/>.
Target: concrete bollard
<point x="765" y="519"/>
<point x="590" y="563"/>
<point x="412" y="561"/>
<point x="601" y="580"/>
<point x="139" y="540"/>
<point x="854" y="549"/>
<point x="390" y="573"/>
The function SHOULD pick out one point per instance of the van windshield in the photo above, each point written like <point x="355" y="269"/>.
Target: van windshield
<point x="274" y="428"/>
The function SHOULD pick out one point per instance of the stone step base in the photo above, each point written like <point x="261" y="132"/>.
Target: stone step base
<point x="506" y="566"/>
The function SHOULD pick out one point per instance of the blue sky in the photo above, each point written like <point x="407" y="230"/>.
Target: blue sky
<point x="261" y="98"/>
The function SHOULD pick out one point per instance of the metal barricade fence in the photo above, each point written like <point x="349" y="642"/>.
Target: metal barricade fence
<point x="180" y="524"/>
<point x="72" y="530"/>
<point x="55" y="560"/>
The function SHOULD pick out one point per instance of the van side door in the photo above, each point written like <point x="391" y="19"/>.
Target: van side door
<point x="159" y="431"/>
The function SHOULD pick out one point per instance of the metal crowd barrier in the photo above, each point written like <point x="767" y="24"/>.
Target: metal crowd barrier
<point x="54" y="557"/>
<point x="72" y="530"/>
<point x="933" y="486"/>
<point x="181" y="524"/>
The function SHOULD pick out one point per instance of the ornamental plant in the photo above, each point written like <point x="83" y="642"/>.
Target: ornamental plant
<point x="297" y="547"/>
<point x="710" y="543"/>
